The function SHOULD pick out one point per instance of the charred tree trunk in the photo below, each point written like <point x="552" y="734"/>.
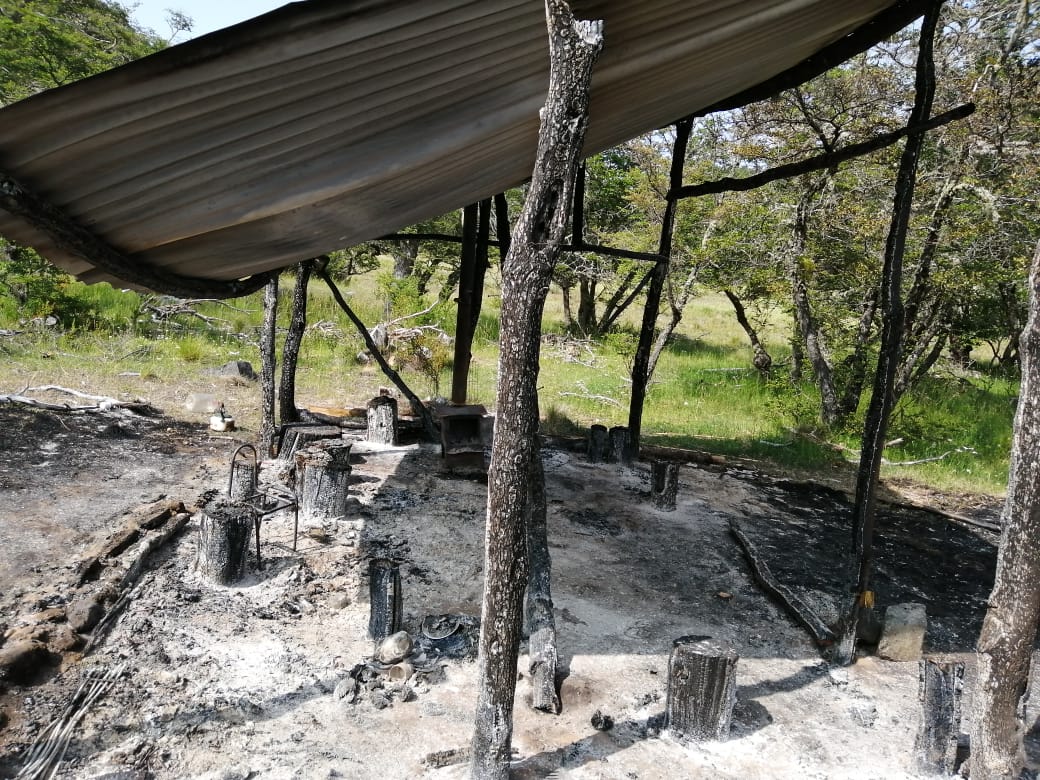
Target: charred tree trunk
<point x="384" y="598"/>
<point x="935" y="749"/>
<point x="1010" y="627"/>
<point x="287" y="411"/>
<point x="620" y="445"/>
<point x="382" y="420"/>
<point x="883" y="398"/>
<point x="573" y="49"/>
<point x="463" y="320"/>
<point x="599" y="444"/>
<point x="664" y="484"/>
<point x="541" y="625"/>
<point x="267" y="367"/>
<point x="641" y="361"/>
<point x="224" y="533"/>
<point x="702" y="689"/>
<point x="323" y="478"/>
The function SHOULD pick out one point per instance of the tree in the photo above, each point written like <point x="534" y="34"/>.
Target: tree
<point x="1009" y="630"/>
<point x="48" y="43"/>
<point x="573" y="49"/>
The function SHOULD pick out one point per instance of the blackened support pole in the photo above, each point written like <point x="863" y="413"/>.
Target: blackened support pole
<point x="892" y="317"/>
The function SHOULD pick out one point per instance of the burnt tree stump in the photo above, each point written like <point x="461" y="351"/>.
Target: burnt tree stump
<point x="664" y="484"/>
<point x="702" y="689"/>
<point x="941" y="683"/>
<point x="224" y="533"/>
<point x="243" y="480"/>
<point x="382" y="420"/>
<point x="322" y="479"/>
<point x="619" y="452"/>
<point x="384" y="591"/>
<point x="599" y="444"/>
<point x="297" y="436"/>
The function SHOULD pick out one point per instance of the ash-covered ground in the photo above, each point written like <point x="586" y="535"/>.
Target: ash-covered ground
<point x="248" y="681"/>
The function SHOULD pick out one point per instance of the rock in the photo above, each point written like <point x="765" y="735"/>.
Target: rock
<point x="238" y="369"/>
<point x="864" y="714"/>
<point x="22" y="660"/>
<point x="379" y="699"/>
<point x="394" y="648"/>
<point x="433" y="709"/>
<point x="339" y="601"/>
<point x="902" y="637"/>
<point x="84" y="612"/>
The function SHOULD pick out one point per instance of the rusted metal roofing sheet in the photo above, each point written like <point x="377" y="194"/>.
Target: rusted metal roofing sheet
<point x="327" y="123"/>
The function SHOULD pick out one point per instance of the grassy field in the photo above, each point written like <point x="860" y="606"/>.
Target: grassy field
<point x="704" y="395"/>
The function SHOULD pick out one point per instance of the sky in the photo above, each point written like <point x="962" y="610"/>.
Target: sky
<point x="206" y="15"/>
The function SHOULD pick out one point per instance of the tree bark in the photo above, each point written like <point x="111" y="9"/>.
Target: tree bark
<point x="664" y="484"/>
<point x="892" y="318"/>
<point x="935" y="749"/>
<point x="267" y="367"/>
<point x="287" y="411"/>
<point x="541" y="624"/>
<point x="1010" y="627"/>
<point x="573" y="49"/>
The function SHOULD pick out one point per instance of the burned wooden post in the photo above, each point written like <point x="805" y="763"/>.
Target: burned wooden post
<point x="935" y="749"/>
<point x="702" y="689"/>
<point x="574" y="47"/>
<point x="619" y="445"/>
<point x="224" y="532"/>
<point x="385" y="602"/>
<point x="267" y="366"/>
<point x="599" y="444"/>
<point x="664" y="484"/>
<point x="882" y="399"/>
<point x="382" y="420"/>
<point x="322" y="479"/>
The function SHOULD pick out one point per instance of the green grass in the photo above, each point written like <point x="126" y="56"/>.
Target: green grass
<point x="704" y="394"/>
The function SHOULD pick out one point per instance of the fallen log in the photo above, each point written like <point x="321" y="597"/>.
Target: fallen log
<point x="794" y="606"/>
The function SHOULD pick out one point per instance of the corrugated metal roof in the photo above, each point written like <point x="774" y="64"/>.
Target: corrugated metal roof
<point x="327" y="123"/>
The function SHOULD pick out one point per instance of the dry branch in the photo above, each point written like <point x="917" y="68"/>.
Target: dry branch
<point x="795" y="607"/>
